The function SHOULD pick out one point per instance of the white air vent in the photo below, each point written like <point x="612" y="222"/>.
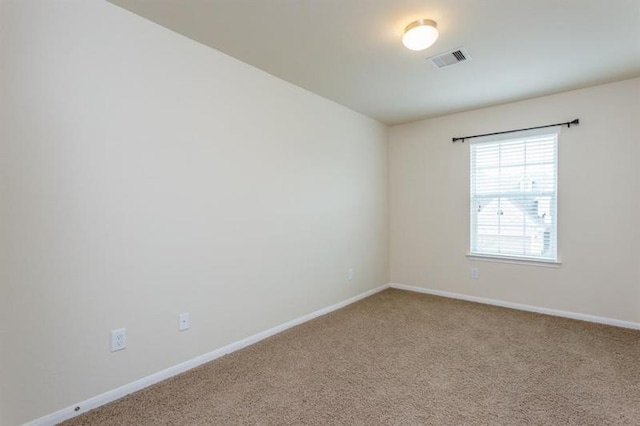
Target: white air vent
<point x="450" y="58"/>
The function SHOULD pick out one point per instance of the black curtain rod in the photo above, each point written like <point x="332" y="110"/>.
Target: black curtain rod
<point x="568" y="124"/>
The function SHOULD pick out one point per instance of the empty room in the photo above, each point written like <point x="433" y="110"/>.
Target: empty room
<point x="319" y="212"/>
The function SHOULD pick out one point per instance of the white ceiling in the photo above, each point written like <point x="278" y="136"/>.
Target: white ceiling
<point x="350" y="50"/>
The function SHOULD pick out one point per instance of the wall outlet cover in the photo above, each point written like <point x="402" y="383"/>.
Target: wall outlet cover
<point x="118" y="339"/>
<point x="184" y="321"/>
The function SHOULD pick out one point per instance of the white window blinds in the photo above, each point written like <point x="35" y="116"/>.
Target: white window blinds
<point x="514" y="195"/>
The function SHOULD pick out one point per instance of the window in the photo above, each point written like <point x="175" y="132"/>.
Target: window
<point x="514" y="196"/>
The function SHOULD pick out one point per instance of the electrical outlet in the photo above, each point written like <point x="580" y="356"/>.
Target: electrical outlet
<point x="184" y="321"/>
<point x="350" y="275"/>
<point x="475" y="273"/>
<point x="118" y="339"/>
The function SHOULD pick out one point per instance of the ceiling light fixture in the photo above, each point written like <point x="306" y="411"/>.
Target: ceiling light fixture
<point x="420" y="34"/>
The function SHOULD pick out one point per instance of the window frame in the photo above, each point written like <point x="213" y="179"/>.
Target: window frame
<point x="474" y="253"/>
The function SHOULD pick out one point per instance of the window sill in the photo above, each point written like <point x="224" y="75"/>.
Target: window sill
<point x="514" y="260"/>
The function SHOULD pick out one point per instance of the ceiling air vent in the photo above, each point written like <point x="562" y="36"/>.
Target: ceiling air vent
<point x="450" y="58"/>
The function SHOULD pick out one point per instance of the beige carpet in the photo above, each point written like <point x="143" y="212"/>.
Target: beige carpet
<point x="402" y="358"/>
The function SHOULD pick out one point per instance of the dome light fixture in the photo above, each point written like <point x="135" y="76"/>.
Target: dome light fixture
<point x="420" y="34"/>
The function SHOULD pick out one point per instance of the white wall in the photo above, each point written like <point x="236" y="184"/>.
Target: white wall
<point x="144" y="175"/>
<point x="598" y="202"/>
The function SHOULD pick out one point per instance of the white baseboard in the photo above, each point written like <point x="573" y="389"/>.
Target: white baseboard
<point x="522" y="307"/>
<point x="112" y="395"/>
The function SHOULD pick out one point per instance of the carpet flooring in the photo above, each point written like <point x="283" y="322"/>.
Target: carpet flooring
<point x="402" y="358"/>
